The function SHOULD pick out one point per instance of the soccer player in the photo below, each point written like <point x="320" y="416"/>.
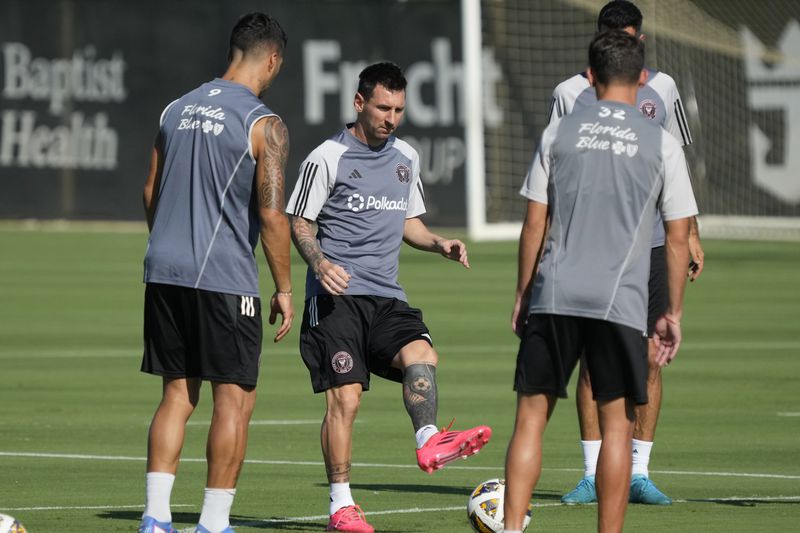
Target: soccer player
<point x="659" y="101"/>
<point x="216" y="184"/>
<point x="598" y="178"/>
<point x="359" y="195"/>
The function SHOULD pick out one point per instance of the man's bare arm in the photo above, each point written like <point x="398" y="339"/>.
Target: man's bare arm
<point x="667" y="334"/>
<point x="333" y="277"/>
<point x="153" y="182"/>
<point x="697" y="256"/>
<point x="304" y="235"/>
<point x="272" y="149"/>
<point x="417" y="234"/>
<point x="531" y="241"/>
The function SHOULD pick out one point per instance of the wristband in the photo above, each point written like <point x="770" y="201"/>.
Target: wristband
<point x="283" y="293"/>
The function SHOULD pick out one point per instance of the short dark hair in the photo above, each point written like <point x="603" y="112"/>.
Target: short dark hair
<point x="616" y="56"/>
<point x="254" y="31"/>
<point x="618" y="15"/>
<point x="387" y="74"/>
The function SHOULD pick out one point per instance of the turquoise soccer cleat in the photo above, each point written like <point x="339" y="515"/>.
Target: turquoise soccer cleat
<point x="645" y="491"/>
<point x="584" y="492"/>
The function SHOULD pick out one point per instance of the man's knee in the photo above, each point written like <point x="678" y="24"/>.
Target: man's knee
<point x="416" y="352"/>
<point x="234" y="399"/>
<point x="344" y="401"/>
<point x="182" y="393"/>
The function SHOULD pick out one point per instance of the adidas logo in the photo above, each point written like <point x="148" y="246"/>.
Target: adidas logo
<point x="355" y="175"/>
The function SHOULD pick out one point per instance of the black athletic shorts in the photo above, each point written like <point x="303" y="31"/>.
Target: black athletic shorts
<point x="657" y="287"/>
<point x="194" y="333"/>
<point x="552" y="344"/>
<point x="344" y="339"/>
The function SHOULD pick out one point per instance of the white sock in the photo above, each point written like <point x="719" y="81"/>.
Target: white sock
<point x="641" y="457"/>
<point x="216" y="513"/>
<point x="424" y="433"/>
<point x="512" y="531"/>
<point x="591" y="451"/>
<point x="158" y="489"/>
<point x="340" y="496"/>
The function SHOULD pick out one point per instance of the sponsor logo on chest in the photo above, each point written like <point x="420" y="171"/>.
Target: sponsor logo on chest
<point x="358" y="202"/>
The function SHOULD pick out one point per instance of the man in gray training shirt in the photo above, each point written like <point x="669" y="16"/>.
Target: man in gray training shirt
<point x="362" y="191"/>
<point x="660" y="102"/>
<point x="215" y="186"/>
<point x="599" y="176"/>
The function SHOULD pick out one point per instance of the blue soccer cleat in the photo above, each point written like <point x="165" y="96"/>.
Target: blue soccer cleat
<point x="645" y="491"/>
<point x="584" y="492"/>
<point x="151" y="525"/>
<point x="201" y="529"/>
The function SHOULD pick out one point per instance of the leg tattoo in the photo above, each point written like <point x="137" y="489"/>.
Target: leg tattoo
<point x="339" y="473"/>
<point x="419" y="394"/>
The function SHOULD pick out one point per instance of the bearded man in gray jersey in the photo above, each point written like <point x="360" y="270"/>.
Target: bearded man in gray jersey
<point x="358" y="197"/>
<point x="216" y="185"/>
<point x="599" y="177"/>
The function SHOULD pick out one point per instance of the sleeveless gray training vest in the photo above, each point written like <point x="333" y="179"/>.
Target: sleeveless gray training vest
<point x="206" y="225"/>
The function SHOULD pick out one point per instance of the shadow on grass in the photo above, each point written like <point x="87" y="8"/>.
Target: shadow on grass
<point x="281" y="523"/>
<point x="275" y="523"/>
<point x="434" y="489"/>
<point x="744" y="502"/>
<point x="288" y="524"/>
<point x="136" y="516"/>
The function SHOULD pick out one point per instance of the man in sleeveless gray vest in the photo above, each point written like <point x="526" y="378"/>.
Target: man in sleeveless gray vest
<point x="599" y="177"/>
<point x="216" y="185"/>
<point x="359" y="196"/>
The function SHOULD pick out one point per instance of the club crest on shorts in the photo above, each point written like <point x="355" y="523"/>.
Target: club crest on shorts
<point x="648" y="109"/>
<point x="342" y="362"/>
<point x="403" y="173"/>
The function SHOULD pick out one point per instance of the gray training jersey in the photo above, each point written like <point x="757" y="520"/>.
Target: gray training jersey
<point x="604" y="171"/>
<point x="206" y="224"/>
<point x="658" y="100"/>
<point x="360" y="198"/>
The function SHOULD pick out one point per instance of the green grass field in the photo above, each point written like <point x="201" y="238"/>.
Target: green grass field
<point x="74" y="408"/>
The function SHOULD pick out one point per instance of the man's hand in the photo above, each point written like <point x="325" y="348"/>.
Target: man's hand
<point x="281" y="304"/>
<point x="667" y="338"/>
<point x="696" y="255"/>
<point x="519" y="315"/>
<point x="454" y="250"/>
<point x="333" y="277"/>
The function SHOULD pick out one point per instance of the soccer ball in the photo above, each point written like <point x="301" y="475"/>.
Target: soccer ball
<point x="485" y="507"/>
<point x="9" y="524"/>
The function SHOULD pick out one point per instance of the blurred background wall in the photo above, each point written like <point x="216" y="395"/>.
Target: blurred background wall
<point x="83" y="82"/>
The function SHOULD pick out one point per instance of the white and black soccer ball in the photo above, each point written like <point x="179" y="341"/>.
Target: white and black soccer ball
<point x="9" y="524"/>
<point x="485" y="507"/>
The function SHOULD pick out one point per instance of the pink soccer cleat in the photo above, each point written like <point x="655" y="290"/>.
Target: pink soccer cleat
<point x="350" y="518"/>
<point x="447" y="446"/>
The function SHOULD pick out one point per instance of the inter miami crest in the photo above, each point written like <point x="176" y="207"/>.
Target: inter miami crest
<point x="342" y="362"/>
<point x="648" y="109"/>
<point x="403" y="173"/>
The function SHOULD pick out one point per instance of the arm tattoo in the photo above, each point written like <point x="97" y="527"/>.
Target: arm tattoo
<point x="276" y="151"/>
<point x="304" y="236"/>
<point x="339" y="473"/>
